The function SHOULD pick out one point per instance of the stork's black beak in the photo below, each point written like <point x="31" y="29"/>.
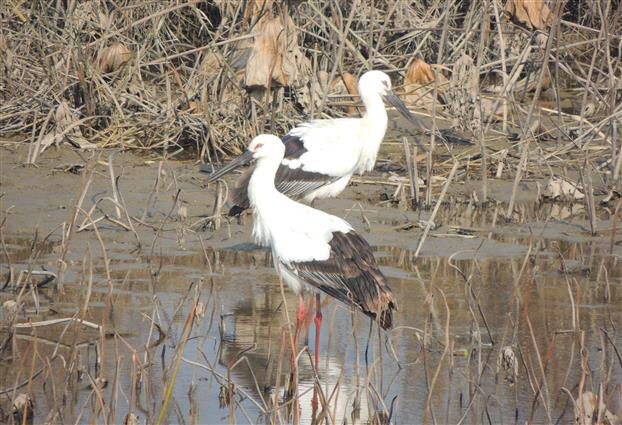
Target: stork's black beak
<point x="392" y="99"/>
<point x="246" y="157"/>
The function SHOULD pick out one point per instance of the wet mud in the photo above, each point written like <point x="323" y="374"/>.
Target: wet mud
<point x="539" y="288"/>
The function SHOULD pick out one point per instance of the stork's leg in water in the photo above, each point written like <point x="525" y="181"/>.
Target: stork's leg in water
<point x="318" y="324"/>
<point x="308" y="319"/>
<point x="300" y="317"/>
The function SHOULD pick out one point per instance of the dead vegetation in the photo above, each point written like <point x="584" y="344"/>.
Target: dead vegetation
<point x="210" y="75"/>
<point x="177" y="329"/>
<point x="535" y="85"/>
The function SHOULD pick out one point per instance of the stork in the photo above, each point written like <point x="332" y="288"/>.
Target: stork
<point x="312" y="250"/>
<point x="322" y="155"/>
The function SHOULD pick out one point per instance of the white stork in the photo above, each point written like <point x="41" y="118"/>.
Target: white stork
<point x="322" y="155"/>
<point x="311" y="249"/>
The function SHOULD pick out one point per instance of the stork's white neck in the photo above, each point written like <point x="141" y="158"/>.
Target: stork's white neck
<point x="265" y="200"/>
<point x="376" y="121"/>
<point x="374" y="107"/>
<point x="261" y="190"/>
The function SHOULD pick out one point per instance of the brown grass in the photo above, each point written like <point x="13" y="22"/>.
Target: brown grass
<point x="205" y="77"/>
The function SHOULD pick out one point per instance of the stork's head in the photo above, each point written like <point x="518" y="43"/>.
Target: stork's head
<point x="375" y="82"/>
<point x="264" y="146"/>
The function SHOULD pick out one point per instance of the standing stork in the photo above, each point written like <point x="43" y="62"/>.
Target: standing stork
<point x="322" y="155"/>
<point x="311" y="249"/>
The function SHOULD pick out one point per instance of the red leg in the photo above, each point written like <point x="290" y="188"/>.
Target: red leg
<point x="294" y="370"/>
<point x="300" y="316"/>
<point x="293" y="376"/>
<point x="308" y="317"/>
<point x="318" y="324"/>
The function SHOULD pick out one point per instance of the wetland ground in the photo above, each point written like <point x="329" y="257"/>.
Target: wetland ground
<point x="498" y="322"/>
<point x="126" y="296"/>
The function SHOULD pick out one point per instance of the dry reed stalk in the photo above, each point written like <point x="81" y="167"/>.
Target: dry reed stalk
<point x="439" y="59"/>
<point x="345" y="84"/>
<point x="471" y="295"/>
<point x="292" y="387"/>
<point x="428" y="409"/>
<point x="178" y="357"/>
<point x="35" y="153"/>
<point x="411" y="174"/>
<point x="85" y="182"/>
<point x="479" y="133"/>
<point x="221" y="197"/>
<point x="223" y="380"/>
<point x="277" y="385"/>
<point x="342" y="42"/>
<point x="525" y="138"/>
<point x="115" y="194"/>
<point x="139" y="107"/>
<point x="439" y="201"/>
<point x="381" y="22"/>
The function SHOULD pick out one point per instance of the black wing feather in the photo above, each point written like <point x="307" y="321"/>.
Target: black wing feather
<point x="294" y="146"/>
<point x="351" y="275"/>
<point x="293" y="182"/>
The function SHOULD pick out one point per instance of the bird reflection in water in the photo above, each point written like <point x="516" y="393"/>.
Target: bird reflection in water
<point x="257" y="334"/>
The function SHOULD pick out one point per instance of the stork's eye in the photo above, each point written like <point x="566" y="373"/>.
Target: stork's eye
<point x="258" y="146"/>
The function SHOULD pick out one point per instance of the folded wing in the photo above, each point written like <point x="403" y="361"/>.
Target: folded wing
<point x="351" y="275"/>
<point x="291" y="179"/>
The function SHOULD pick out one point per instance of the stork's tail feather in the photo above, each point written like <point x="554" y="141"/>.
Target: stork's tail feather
<point x="385" y="317"/>
<point x="382" y="311"/>
<point x="236" y="210"/>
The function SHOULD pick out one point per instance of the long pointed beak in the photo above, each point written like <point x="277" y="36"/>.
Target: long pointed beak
<point x="246" y="157"/>
<point x="395" y="101"/>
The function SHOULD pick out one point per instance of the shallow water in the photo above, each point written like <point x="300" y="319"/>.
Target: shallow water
<point x="244" y="319"/>
<point x="473" y="292"/>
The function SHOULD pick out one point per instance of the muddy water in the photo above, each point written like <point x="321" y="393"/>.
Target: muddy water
<point x="475" y="289"/>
